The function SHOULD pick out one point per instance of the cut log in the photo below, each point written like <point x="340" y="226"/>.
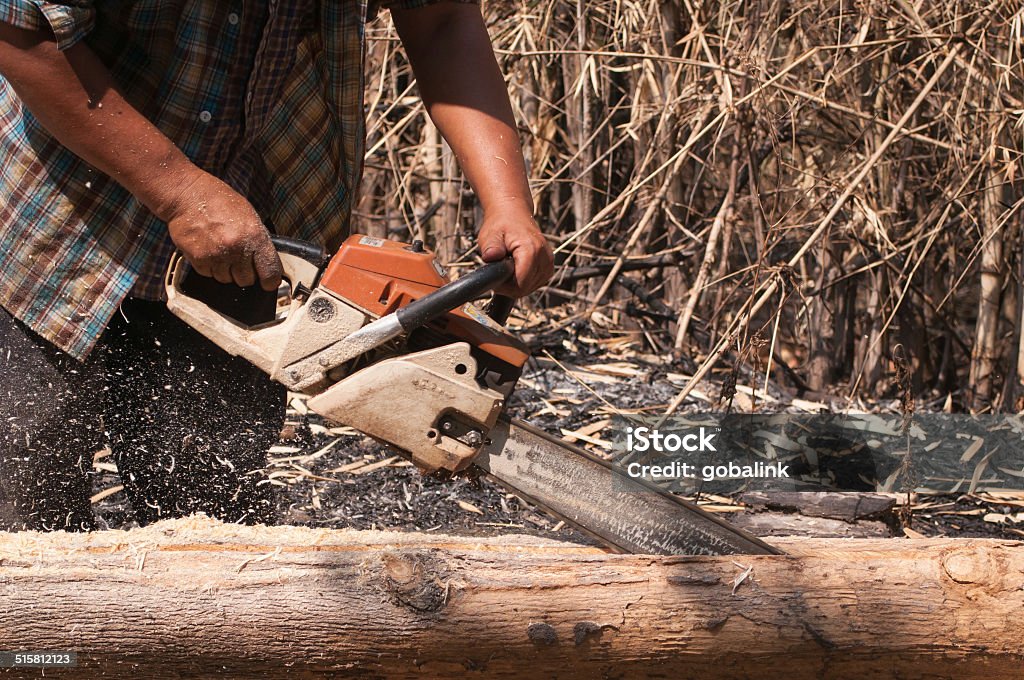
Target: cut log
<point x="844" y="506"/>
<point x="770" y="524"/>
<point x="195" y="598"/>
<point x="816" y="514"/>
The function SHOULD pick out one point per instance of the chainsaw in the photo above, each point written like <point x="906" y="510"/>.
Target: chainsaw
<point x="381" y="340"/>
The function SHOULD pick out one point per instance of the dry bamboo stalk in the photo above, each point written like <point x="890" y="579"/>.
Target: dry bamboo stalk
<point x="821" y="328"/>
<point x="710" y="250"/>
<point x="1020" y="332"/>
<point x="985" y="352"/>
<point x="770" y="288"/>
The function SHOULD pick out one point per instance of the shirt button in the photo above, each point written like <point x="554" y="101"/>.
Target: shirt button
<point x="205" y="116"/>
<point x="232" y="18"/>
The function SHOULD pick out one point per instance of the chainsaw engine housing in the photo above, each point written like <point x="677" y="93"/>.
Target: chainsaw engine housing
<point x="435" y="393"/>
<point x="440" y="392"/>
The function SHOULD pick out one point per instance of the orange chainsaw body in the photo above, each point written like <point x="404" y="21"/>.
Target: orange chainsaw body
<point x="380" y="276"/>
<point x="435" y="391"/>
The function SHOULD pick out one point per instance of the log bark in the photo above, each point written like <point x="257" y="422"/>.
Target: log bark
<point x="194" y="598"/>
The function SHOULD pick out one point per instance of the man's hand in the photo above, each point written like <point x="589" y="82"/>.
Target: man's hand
<point x="514" y="232"/>
<point x="74" y="97"/>
<point x="465" y="94"/>
<point x="221" y="235"/>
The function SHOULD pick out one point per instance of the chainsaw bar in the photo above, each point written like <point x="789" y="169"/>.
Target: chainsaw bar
<point x="624" y="513"/>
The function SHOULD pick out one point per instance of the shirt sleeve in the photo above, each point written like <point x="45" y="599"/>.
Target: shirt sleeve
<point x="70" y="21"/>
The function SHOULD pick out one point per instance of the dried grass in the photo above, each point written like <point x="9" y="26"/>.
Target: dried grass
<point x="822" y="181"/>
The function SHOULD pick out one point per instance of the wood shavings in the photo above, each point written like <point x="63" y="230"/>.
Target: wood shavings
<point x="576" y="435"/>
<point x="375" y="466"/>
<point x="974" y="447"/>
<point x="106" y="493"/>
<point x="469" y="507"/>
<point x="739" y="580"/>
<point x="298" y="404"/>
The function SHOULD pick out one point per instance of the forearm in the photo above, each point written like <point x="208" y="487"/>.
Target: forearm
<point x="464" y="93"/>
<point x="72" y="95"/>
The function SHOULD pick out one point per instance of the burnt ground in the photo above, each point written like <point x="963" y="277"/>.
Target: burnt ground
<point x="329" y="476"/>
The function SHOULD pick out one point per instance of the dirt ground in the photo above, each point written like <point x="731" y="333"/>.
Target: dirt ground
<point x="328" y="476"/>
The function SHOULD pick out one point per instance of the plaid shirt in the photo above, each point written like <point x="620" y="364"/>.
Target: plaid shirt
<point x="267" y="95"/>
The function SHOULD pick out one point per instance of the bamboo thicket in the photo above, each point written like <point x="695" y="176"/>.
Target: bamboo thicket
<point x="811" y="185"/>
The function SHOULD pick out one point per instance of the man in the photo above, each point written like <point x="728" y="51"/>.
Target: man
<point x="129" y="128"/>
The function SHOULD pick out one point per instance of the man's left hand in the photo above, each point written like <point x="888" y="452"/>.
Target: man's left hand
<point x="465" y="95"/>
<point x="514" y="232"/>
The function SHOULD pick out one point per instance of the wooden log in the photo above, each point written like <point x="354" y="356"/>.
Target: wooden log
<point x="194" y="598"/>
<point x="845" y="506"/>
<point x="771" y="524"/>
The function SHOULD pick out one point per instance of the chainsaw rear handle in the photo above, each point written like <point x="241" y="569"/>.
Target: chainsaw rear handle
<point x="304" y="250"/>
<point x="453" y="295"/>
<point x="301" y="263"/>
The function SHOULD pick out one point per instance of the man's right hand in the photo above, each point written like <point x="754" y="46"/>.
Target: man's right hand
<point x="220" y="234"/>
<point x="73" y="95"/>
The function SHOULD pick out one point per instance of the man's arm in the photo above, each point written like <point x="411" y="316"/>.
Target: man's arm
<point x="72" y="95"/>
<point x="464" y="93"/>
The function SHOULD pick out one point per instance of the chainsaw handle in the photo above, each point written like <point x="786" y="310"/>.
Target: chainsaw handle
<point x="453" y="295"/>
<point x="500" y="307"/>
<point x="301" y="263"/>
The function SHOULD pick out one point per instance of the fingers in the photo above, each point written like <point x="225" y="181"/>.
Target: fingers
<point x="222" y="272"/>
<point x="524" y="265"/>
<point x="268" y="266"/>
<point x="534" y="263"/>
<point x="492" y="245"/>
<point x="202" y="268"/>
<point x="243" y="266"/>
<point x="243" y="274"/>
<point x="240" y="270"/>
